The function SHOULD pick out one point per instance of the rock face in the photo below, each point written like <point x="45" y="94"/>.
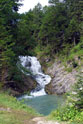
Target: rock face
<point x="62" y="81"/>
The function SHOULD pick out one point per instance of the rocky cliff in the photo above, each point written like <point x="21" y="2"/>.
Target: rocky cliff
<point x="62" y="80"/>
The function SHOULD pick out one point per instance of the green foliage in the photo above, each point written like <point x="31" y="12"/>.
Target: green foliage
<point x="26" y="42"/>
<point x="69" y="69"/>
<point x="79" y="91"/>
<point x="68" y="113"/>
<point x="77" y="50"/>
<point x="71" y="56"/>
<point x="65" y="113"/>
<point x="52" y="27"/>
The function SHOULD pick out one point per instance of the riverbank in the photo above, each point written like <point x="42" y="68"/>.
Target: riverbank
<point x="14" y="112"/>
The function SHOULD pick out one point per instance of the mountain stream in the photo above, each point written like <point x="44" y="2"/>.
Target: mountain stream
<point x="38" y="99"/>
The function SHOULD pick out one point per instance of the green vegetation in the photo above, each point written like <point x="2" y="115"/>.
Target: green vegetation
<point x="67" y="114"/>
<point x="13" y="111"/>
<point x="50" y="31"/>
<point x="76" y="51"/>
<point x="73" y="110"/>
<point x="53" y="31"/>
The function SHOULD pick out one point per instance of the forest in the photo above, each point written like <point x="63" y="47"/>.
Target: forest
<point x="54" y="30"/>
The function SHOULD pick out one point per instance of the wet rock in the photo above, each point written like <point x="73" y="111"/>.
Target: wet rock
<point x="49" y="89"/>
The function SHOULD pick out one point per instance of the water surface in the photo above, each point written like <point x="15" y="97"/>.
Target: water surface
<point x="45" y="104"/>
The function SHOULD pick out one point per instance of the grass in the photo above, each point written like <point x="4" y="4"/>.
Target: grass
<point x="72" y="56"/>
<point x="68" y="69"/>
<point x="13" y="117"/>
<point x="76" y="51"/>
<point x="14" y="112"/>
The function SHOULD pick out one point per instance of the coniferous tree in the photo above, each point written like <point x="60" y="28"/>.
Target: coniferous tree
<point x="8" y="20"/>
<point x="26" y="41"/>
<point x="74" y="10"/>
<point x="53" y="26"/>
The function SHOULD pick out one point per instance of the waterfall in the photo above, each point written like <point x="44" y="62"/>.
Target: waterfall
<point x="32" y="65"/>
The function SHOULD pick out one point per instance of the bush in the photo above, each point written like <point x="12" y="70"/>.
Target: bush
<point x="79" y="91"/>
<point x="65" y="114"/>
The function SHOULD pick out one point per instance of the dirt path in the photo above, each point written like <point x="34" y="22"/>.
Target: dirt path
<point x="42" y="120"/>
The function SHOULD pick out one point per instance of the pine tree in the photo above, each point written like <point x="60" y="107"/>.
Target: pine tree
<point x="53" y="26"/>
<point x="74" y="10"/>
<point x="8" y="18"/>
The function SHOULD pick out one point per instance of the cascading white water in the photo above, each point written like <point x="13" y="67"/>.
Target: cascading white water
<point x="33" y="65"/>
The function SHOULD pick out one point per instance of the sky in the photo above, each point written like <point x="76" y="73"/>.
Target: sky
<point x="30" y="4"/>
